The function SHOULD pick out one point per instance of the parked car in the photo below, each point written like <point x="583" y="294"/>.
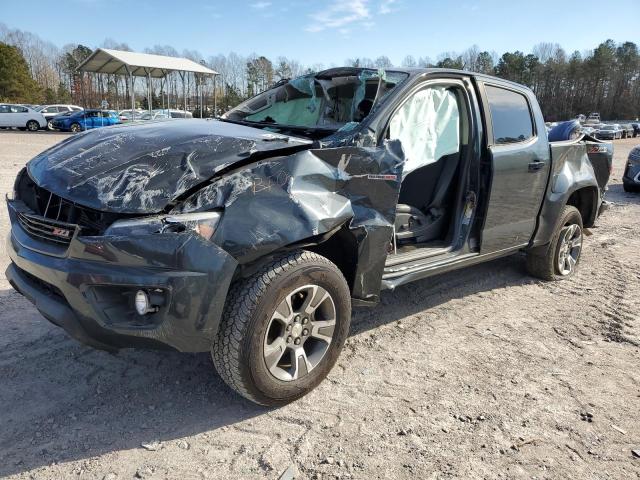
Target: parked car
<point x="84" y="120"/>
<point x="21" y="117"/>
<point x="130" y="115"/>
<point x="636" y="129"/>
<point x="164" y="114"/>
<point x="252" y="237"/>
<point x="609" y="132"/>
<point x="50" y="111"/>
<point x="627" y="130"/>
<point x="631" y="176"/>
<point x="593" y="118"/>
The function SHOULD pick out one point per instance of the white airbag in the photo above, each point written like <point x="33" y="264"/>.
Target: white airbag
<point x="428" y="125"/>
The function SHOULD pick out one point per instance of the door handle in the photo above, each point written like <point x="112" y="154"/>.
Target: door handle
<point x="537" y="165"/>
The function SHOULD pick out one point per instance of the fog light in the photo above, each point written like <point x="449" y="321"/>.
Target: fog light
<point x="143" y="306"/>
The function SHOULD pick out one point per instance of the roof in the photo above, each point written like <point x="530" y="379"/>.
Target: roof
<point x="104" y="60"/>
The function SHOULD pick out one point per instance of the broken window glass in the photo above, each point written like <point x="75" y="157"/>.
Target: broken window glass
<point x="327" y="100"/>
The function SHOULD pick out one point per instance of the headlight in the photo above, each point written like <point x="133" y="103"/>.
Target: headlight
<point x="202" y="223"/>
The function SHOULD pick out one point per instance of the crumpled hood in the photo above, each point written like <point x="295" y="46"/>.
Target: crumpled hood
<point x="141" y="168"/>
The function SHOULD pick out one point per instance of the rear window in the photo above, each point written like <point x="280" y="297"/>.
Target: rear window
<point x="510" y="116"/>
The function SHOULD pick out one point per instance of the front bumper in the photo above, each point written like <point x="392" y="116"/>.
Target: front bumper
<point x="87" y="287"/>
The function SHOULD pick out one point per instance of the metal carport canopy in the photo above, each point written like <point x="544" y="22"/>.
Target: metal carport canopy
<point x="104" y="60"/>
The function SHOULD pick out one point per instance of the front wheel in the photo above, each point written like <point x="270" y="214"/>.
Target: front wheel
<point x="560" y="259"/>
<point x="75" y="128"/>
<point x="283" y="328"/>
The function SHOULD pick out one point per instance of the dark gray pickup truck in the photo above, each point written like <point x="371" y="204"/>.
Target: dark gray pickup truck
<point x="253" y="236"/>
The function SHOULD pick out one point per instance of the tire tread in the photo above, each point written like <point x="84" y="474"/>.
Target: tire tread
<point x="242" y="301"/>
<point x="542" y="266"/>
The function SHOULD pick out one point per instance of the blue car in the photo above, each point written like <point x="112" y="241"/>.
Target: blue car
<point x="84" y="120"/>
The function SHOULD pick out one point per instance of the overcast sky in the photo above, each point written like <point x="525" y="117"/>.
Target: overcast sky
<point x="329" y="31"/>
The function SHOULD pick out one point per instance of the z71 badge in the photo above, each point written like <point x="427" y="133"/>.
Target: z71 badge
<point x="596" y="149"/>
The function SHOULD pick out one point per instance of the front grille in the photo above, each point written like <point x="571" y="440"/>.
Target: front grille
<point x="46" y="229"/>
<point x="55" y="219"/>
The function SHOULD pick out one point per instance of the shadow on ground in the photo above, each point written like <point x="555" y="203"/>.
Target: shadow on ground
<point x="61" y="401"/>
<point x="617" y="195"/>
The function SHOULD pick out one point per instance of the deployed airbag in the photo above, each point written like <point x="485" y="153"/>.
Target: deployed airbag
<point x="428" y="126"/>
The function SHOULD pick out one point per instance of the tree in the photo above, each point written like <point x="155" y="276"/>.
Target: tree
<point x="409" y="62"/>
<point x="484" y="63"/>
<point x="16" y="83"/>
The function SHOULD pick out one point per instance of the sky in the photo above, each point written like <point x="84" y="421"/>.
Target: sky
<point x="327" y="31"/>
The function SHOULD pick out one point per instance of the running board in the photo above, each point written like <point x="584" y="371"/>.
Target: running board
<point x="415" y="255"/>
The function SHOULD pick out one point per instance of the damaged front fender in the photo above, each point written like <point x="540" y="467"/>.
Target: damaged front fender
<point x="284" y="201"/>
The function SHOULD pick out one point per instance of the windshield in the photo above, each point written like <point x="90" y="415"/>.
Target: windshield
<point x="609" y="127"/>
<point x="327" y="100"/>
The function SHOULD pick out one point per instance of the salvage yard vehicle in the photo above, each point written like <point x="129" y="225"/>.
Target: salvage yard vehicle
<point x="84" y="120"/>
<point x="609" y="132"/>
<point x="21" y="117"/>
<point x="51" y="111"/>
<point x="253" y="236"/>
<point x="162" y="114"/>
<point x="627" y="130"/>
<point x="631" y="176"/>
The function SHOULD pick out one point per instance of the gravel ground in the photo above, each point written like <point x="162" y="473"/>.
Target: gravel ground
<point x="480" y="373"/>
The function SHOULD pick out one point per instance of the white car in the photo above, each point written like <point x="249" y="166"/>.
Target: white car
<point x="162" y="114"/>
<point x="21" y="117"/>
<point x="50" y="111"/>
<point x="127" y="115"/>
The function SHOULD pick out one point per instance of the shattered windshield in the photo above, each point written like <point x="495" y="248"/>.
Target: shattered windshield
<point x="327" y="100"/>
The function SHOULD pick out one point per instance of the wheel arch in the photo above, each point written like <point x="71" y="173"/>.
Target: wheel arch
<point x="585" y="199"/>
<point x="339" y="246"/>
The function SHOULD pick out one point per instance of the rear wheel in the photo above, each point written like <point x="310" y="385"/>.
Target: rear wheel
<point x="75" y="127"/>
<point x="283" y="328"/>
<point x="33" y="126"/>
<point x="560" y="259"/>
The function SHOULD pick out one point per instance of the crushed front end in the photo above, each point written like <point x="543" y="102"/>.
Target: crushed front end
<point x="85" y="280"/>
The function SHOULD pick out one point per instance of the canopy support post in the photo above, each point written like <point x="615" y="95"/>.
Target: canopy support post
<point x="149" y="106"/>
<point x="184" y="90"/>
<point x="215" y="98"/>
<point x="131" y="92"/>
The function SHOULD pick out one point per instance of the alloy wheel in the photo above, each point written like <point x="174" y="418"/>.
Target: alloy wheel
<point x="569" y="249"/>
<point x="299" y="333"/>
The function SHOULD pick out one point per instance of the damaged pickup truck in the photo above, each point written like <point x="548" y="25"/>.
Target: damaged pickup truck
<point x="253" y="236"/>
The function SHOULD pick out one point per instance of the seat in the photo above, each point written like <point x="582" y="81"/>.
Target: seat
<point x="424" y="203"/>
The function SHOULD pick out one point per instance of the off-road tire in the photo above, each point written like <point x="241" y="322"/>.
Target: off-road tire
<point x="237" y="349"/>
<point x="542" y="261"/>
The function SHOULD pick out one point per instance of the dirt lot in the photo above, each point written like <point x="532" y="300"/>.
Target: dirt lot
<point x="482" y="373"/>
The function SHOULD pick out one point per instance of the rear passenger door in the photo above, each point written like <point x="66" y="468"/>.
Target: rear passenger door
<point x="519" y="160"/>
